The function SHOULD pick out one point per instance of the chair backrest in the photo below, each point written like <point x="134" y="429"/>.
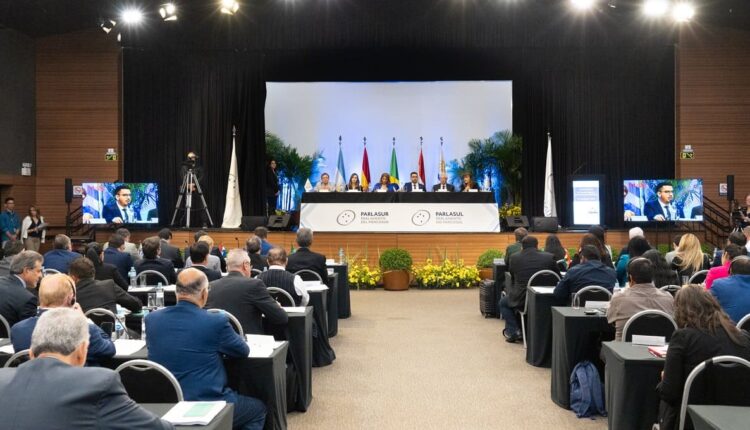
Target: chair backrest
<point x="591" y="293"/>
<point x="50" y="272"/>
<point x="4" y="327"/>
<point x="543" y="278"/>
<point x="18" y="358"/>
<point x="144" y="381"/>
<point x="562" y="265"/>
<point x="255" y="272"/>
<point x="308" y="275"/>
<point x="280" y="295"/>
<point x="744" y="323"/>
<point x="698" y="277"/>
<point x="232" y="320"/>
<point x="671" y="289"/>
<point x="151" y="277"/>
<point x="101" y="315"/>
<point x="727" y="383"/>
<point x="651" y="322"/>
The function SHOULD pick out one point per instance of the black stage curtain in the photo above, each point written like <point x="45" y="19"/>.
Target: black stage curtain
<point x="175" y="102"/>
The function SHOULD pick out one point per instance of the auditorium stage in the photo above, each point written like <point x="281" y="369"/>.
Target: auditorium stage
<point x="467" y="246"/>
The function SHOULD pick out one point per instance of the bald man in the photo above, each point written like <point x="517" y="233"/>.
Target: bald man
<point x="58" y="291"/>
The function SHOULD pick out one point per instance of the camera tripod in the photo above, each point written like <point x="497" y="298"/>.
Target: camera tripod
<point x="186" y="191"/>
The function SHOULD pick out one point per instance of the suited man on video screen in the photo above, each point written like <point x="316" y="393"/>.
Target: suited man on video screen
<point x="663" y="209"/>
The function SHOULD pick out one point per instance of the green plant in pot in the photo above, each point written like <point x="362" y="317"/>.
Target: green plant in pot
<point x="396" y="264"/>
<point x="485" y="262"/>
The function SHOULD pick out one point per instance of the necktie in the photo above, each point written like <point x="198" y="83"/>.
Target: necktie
<point x="125" y="215"/>
<point x="442" y="187"/>
<point x="666" y="210"/>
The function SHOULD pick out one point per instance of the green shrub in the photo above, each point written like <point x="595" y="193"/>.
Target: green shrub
<point x="486" y="260"/>
<point x="395" y="259"/>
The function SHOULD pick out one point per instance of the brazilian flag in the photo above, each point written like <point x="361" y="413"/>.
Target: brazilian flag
<point x="394" y="167"/>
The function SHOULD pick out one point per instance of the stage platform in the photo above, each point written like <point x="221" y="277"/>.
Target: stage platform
<point x="467" y="246"/>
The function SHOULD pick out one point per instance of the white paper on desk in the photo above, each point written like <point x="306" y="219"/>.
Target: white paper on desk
<point x="294" y="309"/>
<point x="330" y="261"/>
<point x="145" y="289"/>
<point x="259" y="339"/>
<point x="170" y="288"/>
<point x="543" y="290"/>
<point x="639" y="339"/>
<point x="592" y="304"/>
<point x="7" y="349"/>
<point x="194" y="413"/>
<point x="128" y="346"/>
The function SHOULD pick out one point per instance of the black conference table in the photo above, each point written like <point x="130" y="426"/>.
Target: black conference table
<point x="716" y="417"/>
<point x="323" y="354"/>
<point x="575" y="337"/>
<point x="630" y="378"/>
<point x="332" y="304"/>
<point x="539" y="325"/>
<point x="344" y="301"/>
<point x="478" y="197"/>
<point x="222" y="421"/>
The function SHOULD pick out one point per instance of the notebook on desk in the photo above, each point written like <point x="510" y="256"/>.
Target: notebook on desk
<point x="194" y="413"/>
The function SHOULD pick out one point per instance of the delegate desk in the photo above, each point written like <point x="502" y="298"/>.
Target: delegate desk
<point x="332" y="305"/>
<point x="630" y="378"/>
<point x="299" y="334"/>
<point x="323" y="354"/>
<point x="222" y="421"/>
<point x="716" y="417"/>
<point x="539" y="325"/>
<point x="575" y="338"/>
<point x="344" y="302"/>
<point x="400" y="212"/>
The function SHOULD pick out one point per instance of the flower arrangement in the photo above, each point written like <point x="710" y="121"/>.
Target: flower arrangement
<point x="362" y="276"/>
<point x="446" y="275"/>
<point x="509" y="210"/>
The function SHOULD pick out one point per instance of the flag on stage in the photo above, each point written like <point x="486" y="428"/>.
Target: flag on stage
<point x="394" y="166"/>
<point x="549" y="183"/>
<point x="308" y="185"/>
<point x="339" y="178"/>
<point x="233" y="207"/>
<point x="365" y="176"/>
<point x="441" y="167"/>
<point x="420" y="169"/>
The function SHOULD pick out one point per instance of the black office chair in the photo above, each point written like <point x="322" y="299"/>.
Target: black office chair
<point x="18" y="359"/>
<point x="698" y="277"/>
<point x="100" y="316"/>
<point x="671" y="289"/>
<point x="744" y="323"/>
<point x="148" y="382"/>
<point x="281" y="296"/>
<point x="309" y="275"/>
<point x="590" y="294"/>
<point x="151" y="277"/>
<point x="232" y="320"/>
<point x="4" y="328"/>
<point x="651" y="322"/>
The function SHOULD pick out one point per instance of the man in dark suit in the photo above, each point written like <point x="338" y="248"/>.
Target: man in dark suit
<point x="443" y="186"/>
<point x="119" y="211"/>
<point x="16" y="302"/>
<point x="245" y="298"/>
<point x="262" y="234"/>
<point x="11" y="248"/>
<point x="277" y="276"/>
<point x="169" y="251"/>
<point x="93" y="397"/>
<point x="92" y="294"/>
<point x="662" y="208"/>
<point x="213" y="251"/>
<point x="199" y="257"/>
<point x="413" y="184"/>
<point x="524" y="264"/>
<point x="591" y="271"/>
<point x="191" y="342"/>
<point x="61" y="255"/>
<point x="306" y="259"/>
<point x="151" y="247"/>
<point x="253" y="246"/>
<point x="115" y="254"/>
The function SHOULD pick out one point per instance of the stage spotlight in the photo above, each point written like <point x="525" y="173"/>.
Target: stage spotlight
<point x="132" y="16"/>
<point x="168" y="12"/>
<point x="683" y="12"/>
<point x="107" y="25"/>
<point x="582" y="4"/>
<point x="229" y="7"/>
<point x="655" y="8"/>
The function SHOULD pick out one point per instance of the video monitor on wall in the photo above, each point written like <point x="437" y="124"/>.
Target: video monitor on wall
<point x="120" y="203"/>
<point x="587" y="197"/>
<point x="659" y="200"/>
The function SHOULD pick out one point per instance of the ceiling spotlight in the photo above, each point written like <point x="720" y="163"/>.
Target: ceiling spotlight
<point x="132" y="16"/>
<point x="655" y="8"/>
<point x="168" y="12"/>
<point x="683" y="12"/>
<point x="582" y="4"/>
<point x="229" y="7"/>
<point x="107" y="25"/>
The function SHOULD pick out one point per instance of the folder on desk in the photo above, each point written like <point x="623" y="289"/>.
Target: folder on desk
<point x="194" y="413"/>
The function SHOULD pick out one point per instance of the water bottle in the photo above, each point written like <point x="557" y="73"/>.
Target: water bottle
<point x="341" y="255"/>
<point x="159" y="295"/>
<point x="119" y="329"/>
<point x="132" y="275"/>
<point x="143" y="325"/>
<point x="617" y="288"/>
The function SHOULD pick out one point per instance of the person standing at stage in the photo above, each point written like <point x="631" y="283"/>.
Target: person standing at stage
<point x="272" y="187"/>
<point x="413" y="184"/>
<point x="9" y="225"/>
<point x="33" y="229"/>
<point x="468" y="184"/>
<point x="385" y="185"/>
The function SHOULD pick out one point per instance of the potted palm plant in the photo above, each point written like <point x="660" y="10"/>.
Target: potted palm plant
<point x="396" y="265"/>
<point x="486" y="261"/>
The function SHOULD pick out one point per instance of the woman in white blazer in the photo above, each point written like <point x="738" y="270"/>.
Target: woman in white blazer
<point x="33" y="229"/>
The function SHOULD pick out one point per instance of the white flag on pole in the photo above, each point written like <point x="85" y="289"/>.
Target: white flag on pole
<point x="549" y="183"/>
<point x="233" y="207"/>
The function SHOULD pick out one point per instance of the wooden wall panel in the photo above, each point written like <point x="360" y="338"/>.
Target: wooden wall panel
<point x="22" y="189"/>
<point x="78" y="115"/>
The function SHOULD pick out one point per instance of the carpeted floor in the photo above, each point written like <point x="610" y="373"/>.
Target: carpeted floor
<point x="429" y="360"/>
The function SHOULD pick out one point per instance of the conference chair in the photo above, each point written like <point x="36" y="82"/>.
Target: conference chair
<point x="18" y="359"/>
<point x="50" y="272"/>
<point x="591" y="293"/>
<point x="308" y="275"/>
<point x="278" y="293"/>
<point x="232" y="319"/>
<point x="542" y="278"/>
<point x="651" y="322"/>
<point x="151" y="277"/>
<point x="101" y="315"/>
<point x="148" y="382"/>
<point x="4" y="328"/>
<point x="698" y="277"/>
<point x="726" y="382"/>
<point x="671" y="289"/>
<point x="255" y="272"/>
<point x="744" y="323"/>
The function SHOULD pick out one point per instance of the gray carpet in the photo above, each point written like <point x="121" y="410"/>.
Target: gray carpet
<point x="429" y="360"/>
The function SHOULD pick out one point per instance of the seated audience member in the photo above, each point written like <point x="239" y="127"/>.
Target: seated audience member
<point x="675" y="246"/>
<point x="151" y="260"/>
<point x="130" y="247"/>
<point x="735" y="237"/>
<point x="168" y="251"/>
<point x="304" y="258"/>
<point x="61" y="255"/>
<point x="385" y="184"/>
<point x="115" y="254"/>
<point x="637" y="246"/>
<point x="640" y="296"/>
<point x="601" y="234"/>
<point x="704" y="332"/>
<point x="443" y="185"/>
<point x="519" y="234"/>
<point x="16" y="299"/>
<point x="91" y="293"/>
<point x="213" y="250"/>
<point x="199" y="252"/>
<point x="733" y="292"/>
<point x="191" y="342"/>
<point x="731" y="252"/>
<point x="589" y="239"/>
<point x="690" y="258"/>
<point x="244" y="297"/>
<point x="277" y="276"/>
<point x="213" y="262"/>
<point x="468" y="184"/>
<point x="59" y="291"/>
<point x="324" y="184"/>
<point x="413" y="184"/>
<point x="523" y="266"/>
<point x="354" y="184"/>
<point x="253" y="246"/>
<point x="55" y="391"/>
<point x="262" y="234"/>
<point x="591" y="271"/>
<point x="633" y="232"/>
<point x="663" y="274"/>
<point x="11" y="248"/>
<point x="104" y="271"/>
<point x="553" y="246"/>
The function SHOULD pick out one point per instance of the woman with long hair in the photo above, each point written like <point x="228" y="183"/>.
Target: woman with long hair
<point x="354" y="184"/>
<point x="553" y="245"/>
<point x="704" y="331"/>
<point x="590" y="239"/>
<point x="385" y="185"/>
<point x="104" y="271"/>
<point x="33" y="229"/>
<point x="663" y="275"/>
<point x="690" y="257"/>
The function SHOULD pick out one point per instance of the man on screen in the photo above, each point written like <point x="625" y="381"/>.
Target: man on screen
<point x="119" y="211"/>
<point x="413" y="184"/>
<point x="662" y="208"/>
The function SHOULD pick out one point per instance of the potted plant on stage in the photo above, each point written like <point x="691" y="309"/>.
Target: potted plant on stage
<point x="486" y="261"/>
<point x="396" y="266"/>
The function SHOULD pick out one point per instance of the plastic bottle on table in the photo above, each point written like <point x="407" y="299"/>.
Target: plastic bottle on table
<point x="159" y="295"/>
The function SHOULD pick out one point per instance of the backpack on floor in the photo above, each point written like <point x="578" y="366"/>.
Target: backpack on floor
<point x="586" y="391"/>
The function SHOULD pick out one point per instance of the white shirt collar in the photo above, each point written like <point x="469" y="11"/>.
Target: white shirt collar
<point x="276" y="267"/>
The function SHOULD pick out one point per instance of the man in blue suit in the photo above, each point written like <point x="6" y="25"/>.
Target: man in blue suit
<point x="663" y="208"/>
<point x="115" y="254"/>
<point x="733" y="292"/>
<point x="190" y="342"/>
<point x="414" y="184"/>
<point x="61" y="255"/>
